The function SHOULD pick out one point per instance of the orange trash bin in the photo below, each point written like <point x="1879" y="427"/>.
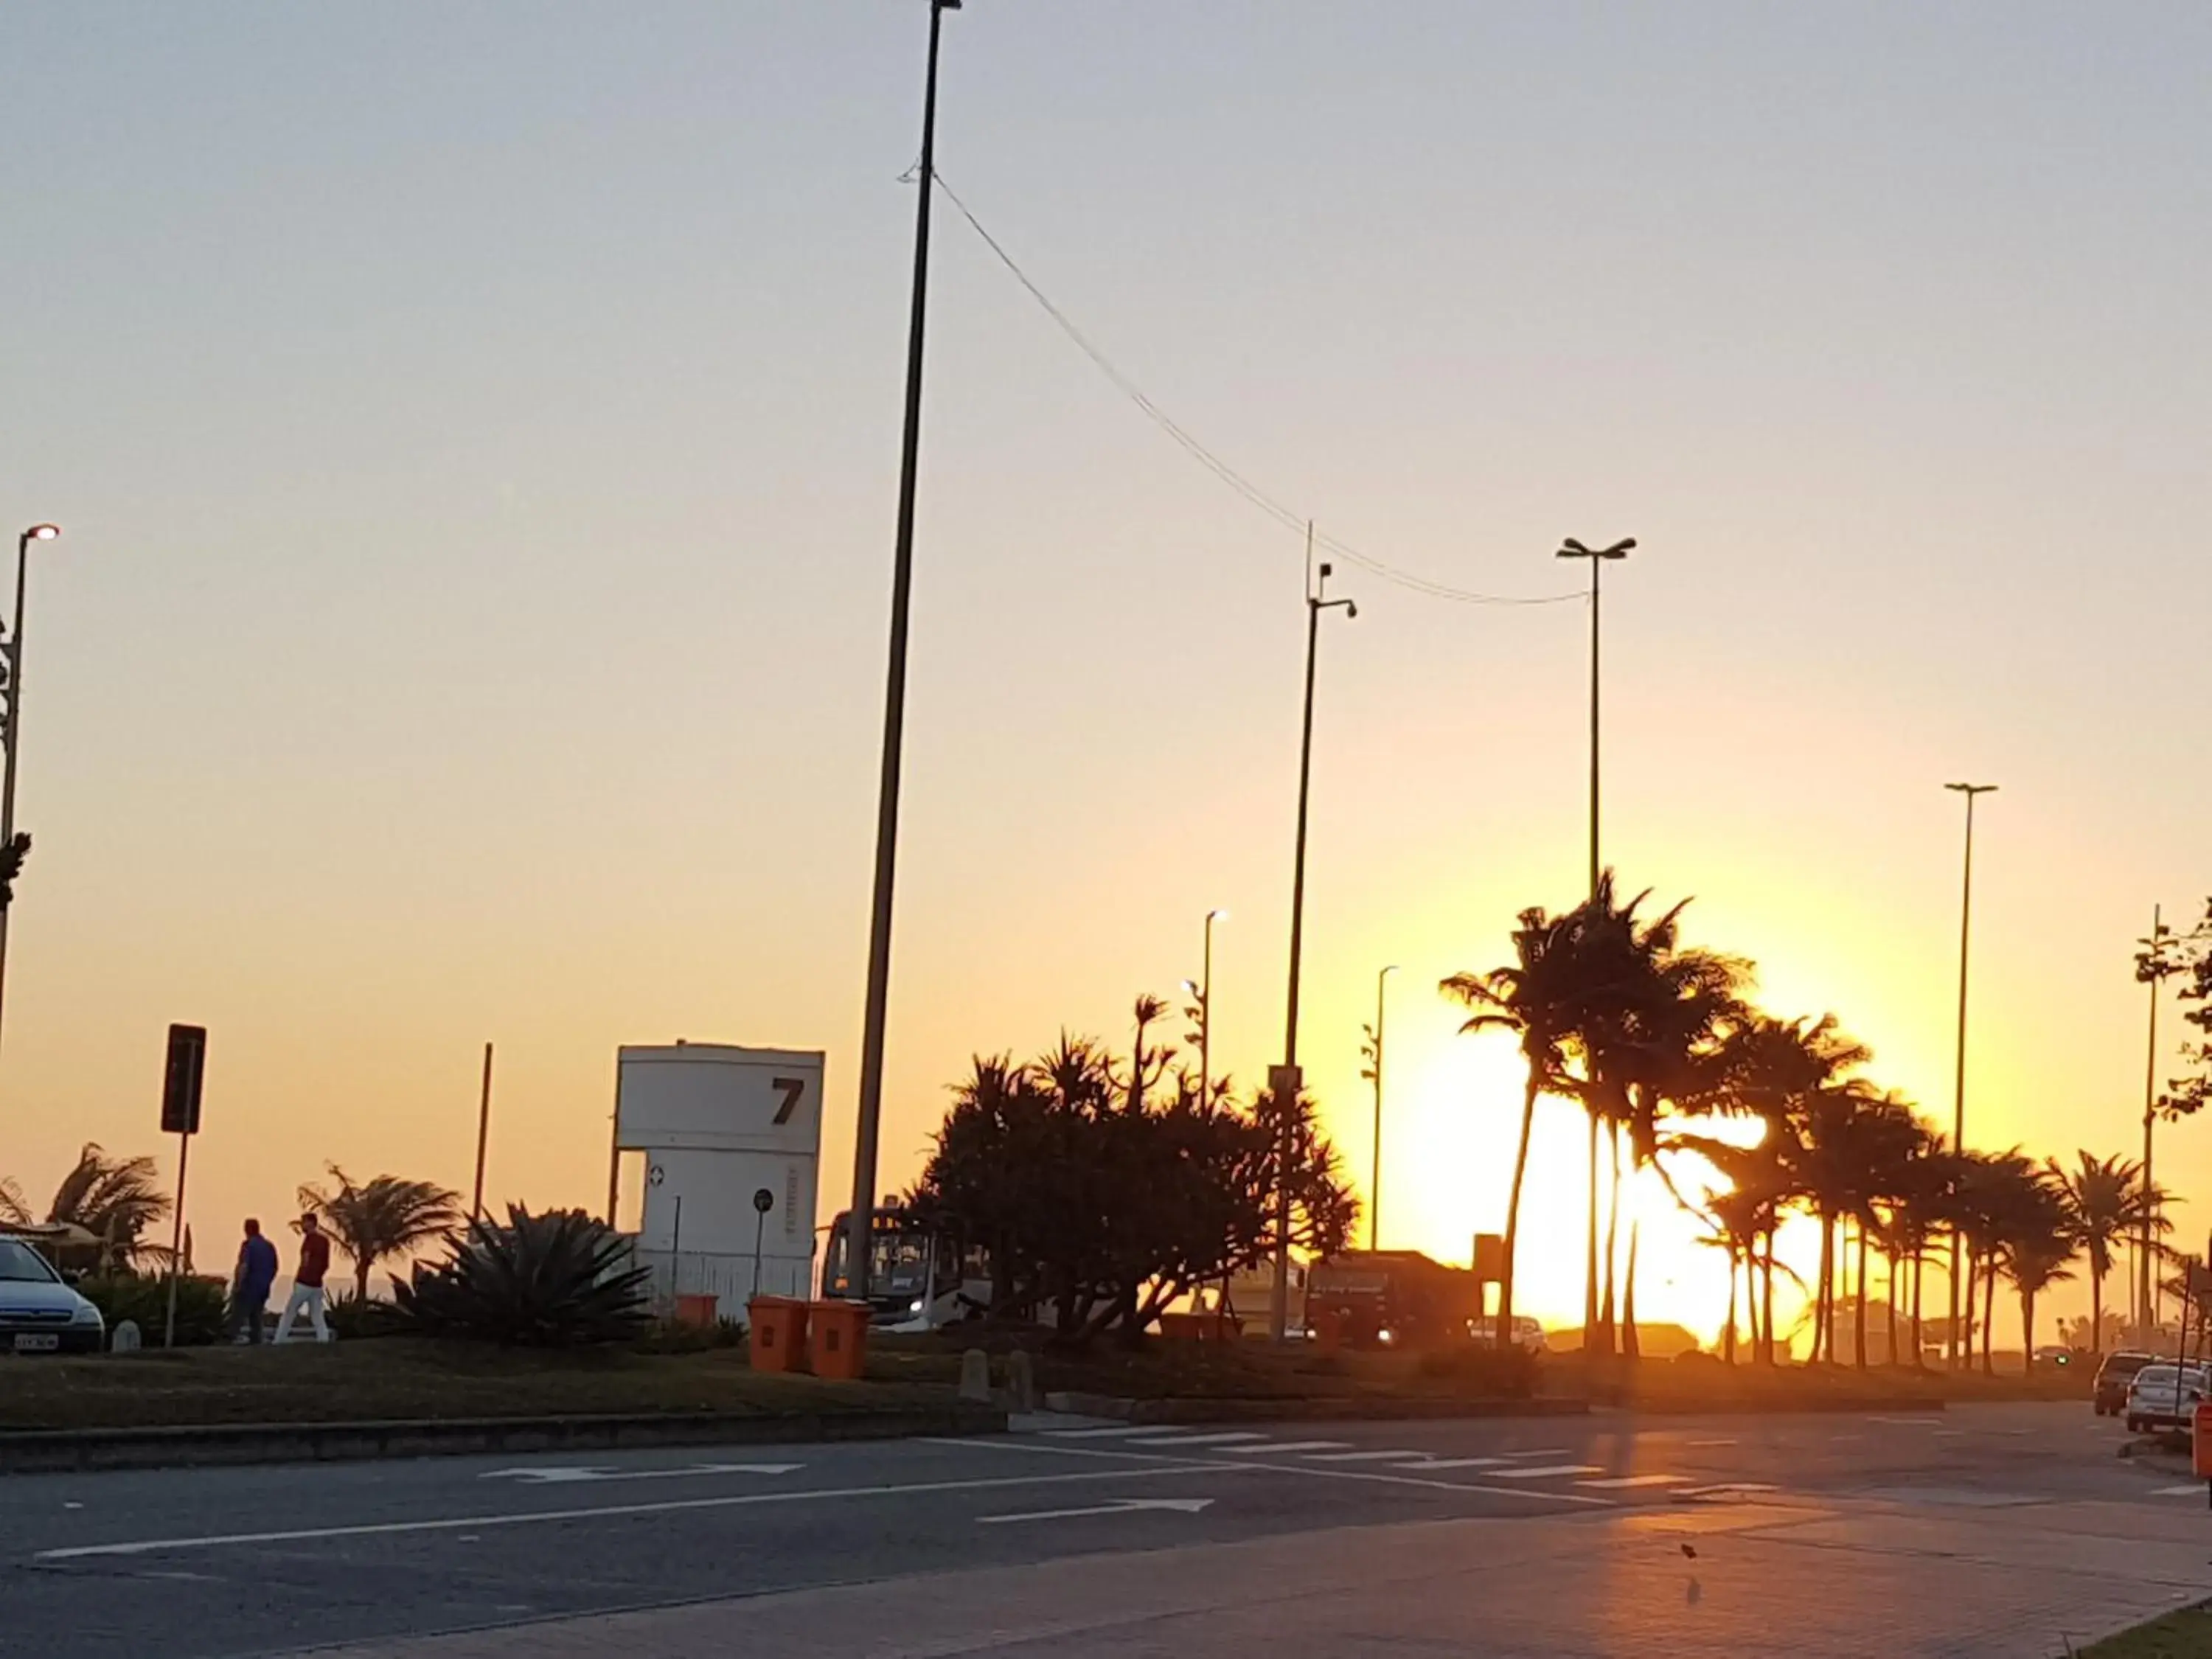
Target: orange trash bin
<point x="2200" y="1440"/>
<point x="839" y="1345"/>
<point x="778" y="1340"/>
<point x="696" y="1310"/>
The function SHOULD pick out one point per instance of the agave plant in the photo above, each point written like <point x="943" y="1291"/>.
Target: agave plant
<point x="550" y="1280"/>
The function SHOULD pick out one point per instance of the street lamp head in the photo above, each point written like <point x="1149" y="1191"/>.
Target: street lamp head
<point x="1572" y="549"/>
<point x="42" y="532"/>
<point x="1217" y="915"/>
<point x="1392" y="969"/>
<point x="1974" y="788"/>
<point x="1351" y="610"/>
<point x="1190" y="988"/>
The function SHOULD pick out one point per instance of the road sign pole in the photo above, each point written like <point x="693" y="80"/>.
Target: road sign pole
<point x="764" y="1202"/>
<point x="177" y="1241"/>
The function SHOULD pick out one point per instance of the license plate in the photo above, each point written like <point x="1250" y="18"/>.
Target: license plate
<point x="36" y="1342"/>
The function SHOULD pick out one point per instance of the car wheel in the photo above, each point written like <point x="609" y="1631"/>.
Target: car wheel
<point x="2134" y="1425"/>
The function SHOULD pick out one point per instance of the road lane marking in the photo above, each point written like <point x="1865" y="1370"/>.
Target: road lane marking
<point x="1711" y="1442"/>
<point x="1111" y="1506"/>
<point x="2189" y="1490"/>
<point x="1540" y="1451"/>
<point x="1623" y="1482"/>
<point x="1105" y="1434"/>
<point x="1547" y="1471"/>
<point x="1725" y="1489"/>
<point x="1193" y="1439"/>
<point x="576" y="1474"/>
<point x="1453" y="1463"/>
<point x="1306" y="1470"/>
<point x="530" y="1517"/>
<point x="1399" y="1455"/>
<point x="1287" y="1446"/>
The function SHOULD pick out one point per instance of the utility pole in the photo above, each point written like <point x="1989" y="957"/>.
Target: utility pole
<point x="870" y="1124"/>
<point x="483" y="1137"/>
<point x="1373" y="1050"/>
<point x="1598" y="557"/>
<point x="11" y="710"/>
<point x="1958" y="1074"/>
<point x="2153" y="963"/>
<point x="1285" y="1080"/>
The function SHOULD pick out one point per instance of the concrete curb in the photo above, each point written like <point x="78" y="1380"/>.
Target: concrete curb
<point x="1355" y="1407"/>
<point x="45" y="1451"/>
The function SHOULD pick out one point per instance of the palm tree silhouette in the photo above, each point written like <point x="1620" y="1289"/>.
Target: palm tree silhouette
<point x="386" y="1218"/>
<point x="116" y="1198"/>
<point x="2109" y="1202"/>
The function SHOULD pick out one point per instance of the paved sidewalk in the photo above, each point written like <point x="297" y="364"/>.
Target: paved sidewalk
<point x="1848" y="1579"/>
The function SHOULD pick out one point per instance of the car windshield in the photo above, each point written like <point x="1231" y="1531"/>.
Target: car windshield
<point x="21" y="1264"/>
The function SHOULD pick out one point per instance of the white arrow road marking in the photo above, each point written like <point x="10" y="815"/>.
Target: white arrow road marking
<point x="1112" y="1506"/>
<point x="1545" y="1471"/>
<point x="563" y="1475"/>
<point x="1622" y="1482"/>
<point x="463" y="1523"/>
<point x="1193" y="1439"/>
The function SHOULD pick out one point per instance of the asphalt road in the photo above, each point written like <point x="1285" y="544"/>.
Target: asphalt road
<point x="213" y="1562"/>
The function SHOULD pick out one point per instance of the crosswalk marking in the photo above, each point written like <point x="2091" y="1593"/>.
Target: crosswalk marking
<point x="1289" y="1446"/>
<point x="1193" y="1439"/>
<point x="1622" y="1482"/>
<point x="1545" y="1471"/>
<point x="1400" y="1455"/>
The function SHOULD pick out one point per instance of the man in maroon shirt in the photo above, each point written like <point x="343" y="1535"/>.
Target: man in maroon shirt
<point x="307" y="1280"/>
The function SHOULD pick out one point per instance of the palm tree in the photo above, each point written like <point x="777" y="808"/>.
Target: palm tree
<point x="386" y="1218"/>
<point x="12" y="1207"/>
<point x="1534" y="998"/>
<point x="116" y="1198"/>
<point x="2109" y="1200"/>
<point x="2038" y="1243"/>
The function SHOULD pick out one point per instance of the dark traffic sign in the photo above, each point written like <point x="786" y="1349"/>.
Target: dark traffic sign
<point x="180" y="1080"/>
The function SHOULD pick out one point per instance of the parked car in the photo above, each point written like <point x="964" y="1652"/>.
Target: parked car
<point x="2113" y="1377"/>
<point x="2163" y="1397"/>
<point x="41" y="1314"/>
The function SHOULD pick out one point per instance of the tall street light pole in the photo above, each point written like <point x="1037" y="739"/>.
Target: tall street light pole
<point x="1598" y="557"/>
<point x="11" y="709"/>
<point x="2153" y="963"/>
<point x="1286" y="1081"/>
<point x="1958" y="1074"/>
<point x="1374" y="1074"/>
<point x="869" y="1127"/>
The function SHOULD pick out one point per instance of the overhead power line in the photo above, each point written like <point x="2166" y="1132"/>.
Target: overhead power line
<point x="1288" y="517"/>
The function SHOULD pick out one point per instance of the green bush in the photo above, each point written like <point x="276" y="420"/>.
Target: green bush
<point x="550" y="1280"/>
<point x="351" y="1318"/>
<point x="202" y="1306"/>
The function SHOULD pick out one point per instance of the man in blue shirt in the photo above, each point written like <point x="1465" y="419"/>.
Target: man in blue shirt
<point x="249" y="1289"/>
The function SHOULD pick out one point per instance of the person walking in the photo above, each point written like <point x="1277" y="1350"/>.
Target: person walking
<point x="307" y="1280"/>
<point x="249" y="1284"/>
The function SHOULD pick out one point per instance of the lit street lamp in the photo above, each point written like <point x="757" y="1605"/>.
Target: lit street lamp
<point x="1959" y="1075"/>
<point x="1286" y="1076"/>
<point x="11" y="710"/>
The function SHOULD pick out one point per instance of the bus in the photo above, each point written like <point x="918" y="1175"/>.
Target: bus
<point x="920" y="1277"/>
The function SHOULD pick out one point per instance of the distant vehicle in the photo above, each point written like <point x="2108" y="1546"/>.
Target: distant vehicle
<point x="41" y="1314"/>
<point x="2114" y="1375"/>
<point x="1394" y="1299"/>
<point x="1527" y="1333"/>
<point x="2163" y="1395"/>
<point x="919" y="1277"/>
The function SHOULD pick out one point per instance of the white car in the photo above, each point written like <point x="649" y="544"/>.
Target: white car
<point x="2165" y="1397"/>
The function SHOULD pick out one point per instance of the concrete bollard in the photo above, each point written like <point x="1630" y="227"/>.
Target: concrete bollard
<point x="125" y="1338"/>
<point x="1021" y="1382"/>
<point x="976" y="1375"/>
